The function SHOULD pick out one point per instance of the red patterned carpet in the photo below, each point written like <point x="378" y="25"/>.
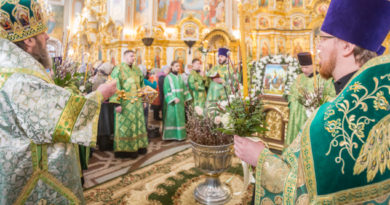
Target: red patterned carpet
<point x="171" y="180"/>
<point x="103" y="166"/>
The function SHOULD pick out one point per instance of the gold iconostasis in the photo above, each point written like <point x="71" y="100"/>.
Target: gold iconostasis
<point x="161" y="31"/>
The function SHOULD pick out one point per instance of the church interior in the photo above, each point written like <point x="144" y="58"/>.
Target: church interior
<point x="161" y="31"/>
<point x="264" y="38"/>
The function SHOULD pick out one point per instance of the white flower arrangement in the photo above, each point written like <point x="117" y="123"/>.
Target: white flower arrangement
<point x="225" y="120"/>
<point x="238" y="114"/>
<point x="82" y="88"/>
<point x="292" y="70"/>
<point x="199" y="110"/>
<point x="217" y="120"/>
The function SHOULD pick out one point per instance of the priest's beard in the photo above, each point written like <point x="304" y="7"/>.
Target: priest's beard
<point x="222" y="62"/>
<point x="41" y="55"/>
<point x="328" y="66"/>
<point x="174" y="72"/>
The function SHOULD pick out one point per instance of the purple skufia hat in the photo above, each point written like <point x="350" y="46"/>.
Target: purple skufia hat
<point x="364" y="23"/>
<point x="223" y="52"/>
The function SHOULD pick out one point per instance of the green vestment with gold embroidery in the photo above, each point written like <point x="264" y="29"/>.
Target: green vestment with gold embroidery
<point x="342" y="154"/>
<point x="298" y="114"/>
<point x="40" y="124"/>
<point x="216" y="91"/>
<point x="196" y="84"/>
<point x="130" y="130"/>
<point x="174" y="117"/>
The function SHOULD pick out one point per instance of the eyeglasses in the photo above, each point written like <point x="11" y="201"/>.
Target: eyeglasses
<point x="323" y="37"/>
<point x="326" y="37"/>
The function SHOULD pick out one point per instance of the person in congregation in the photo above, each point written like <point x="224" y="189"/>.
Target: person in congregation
<point x="146" y="75"/>
<point x="156" y="105"/>
<point x="341" y="156"/>
<point x="196" y="84"/>
<point x="106" y="119"/>
<point x="130" y="137"/>
<point x="218" y="76"/>
<point x="40" y="122"/>
<point x="186" y="74"/>
<point x="175" y="95"/>
<point x="165" y="70"/>
<point x="303" y="87"/>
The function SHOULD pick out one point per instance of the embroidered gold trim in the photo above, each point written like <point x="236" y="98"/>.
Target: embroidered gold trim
<point x="28" y="188"/>
<point x="290" y="185"/>
<point x="27" y="71"/>
<point x="49" y="180"/>
<point x="34" y="155"/>
<point x="99" y="98"/>
<point x="373" y="153"/>
<point x="40" y="164"/>
<point x="68" y="119"/>
<point x="358" y="194"/>
<point x="44" y="161"/>
<point x="58" y="186"/>
<point x="131" y="139"/>
<point x="28" y="33"/>
<point x="364" y="193"/>
<point x="373" y="62"/>
<point x="259" y="168"/>
<point x="307" y="156"/>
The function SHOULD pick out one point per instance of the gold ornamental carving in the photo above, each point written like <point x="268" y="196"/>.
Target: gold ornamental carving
<point x="277" y="114"/>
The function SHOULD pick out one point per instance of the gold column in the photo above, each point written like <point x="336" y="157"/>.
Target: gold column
<point x="119" y="55"/>
<point x="164" y="56"/>
<point x="104" y="55"/>
<point x="254" y="48"/>
<point x="243" y="50"/>
<point x="152" y="55"/>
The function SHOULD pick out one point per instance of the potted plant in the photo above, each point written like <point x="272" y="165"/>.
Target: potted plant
<point x="240" y="115"/>
<point x="212" y="154"/>
<point x="211" y="136"/>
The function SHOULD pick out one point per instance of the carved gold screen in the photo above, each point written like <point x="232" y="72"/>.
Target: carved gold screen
<point x="277" y="114"/>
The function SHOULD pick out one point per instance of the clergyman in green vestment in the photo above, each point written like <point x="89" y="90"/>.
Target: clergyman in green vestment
<point x="175" y="94"/>
<point x="342" y="154"/>
<point x="218" y="75"/>
<point x="130" y="137"/>
<point x="196" y="84"/>
<point x="40" y="122"/>
<point x="302" y="87"/>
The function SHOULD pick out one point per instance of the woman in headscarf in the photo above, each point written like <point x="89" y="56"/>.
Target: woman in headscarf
<point x="102" y="72"/>
<point x="153" y="85"/>
<point x="106" y="119"/>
